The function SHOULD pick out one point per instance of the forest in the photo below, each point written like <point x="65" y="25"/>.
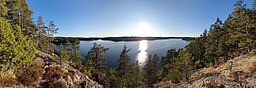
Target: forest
<point x="20" y="38"/>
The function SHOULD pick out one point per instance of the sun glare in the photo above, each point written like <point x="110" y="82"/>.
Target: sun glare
<point x="143" y="29"/>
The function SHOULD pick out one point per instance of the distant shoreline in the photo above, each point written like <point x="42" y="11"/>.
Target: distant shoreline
<point x="117" y="39"/>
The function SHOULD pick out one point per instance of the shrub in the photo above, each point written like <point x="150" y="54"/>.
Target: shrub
<point x="214" y="85"/>
<point x="15" y="50"/>
<point x="253" y="66"/>
<point x="53" y="72"/>
<point x="59" y="84"/>
<point x="8" y="82"/>
<point x="29" y="75"/>
<point x="71" y="73"/>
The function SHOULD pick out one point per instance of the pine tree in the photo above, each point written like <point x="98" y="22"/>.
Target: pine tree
<point x="213" y="42"/>
<point x="76" y="51"/>
<point x="51" y="29"/>
<point x="41" y="35"/>
<point x="64" y="55"/>
<point x="185" y="64"/>
<point x="136" y="72"/>
<point x="123" y="65"/>
<point x="97" y="62"/>
<point x="254" y="5"/>
<point x="150" y="70"/>
<point x="167" y="61"/>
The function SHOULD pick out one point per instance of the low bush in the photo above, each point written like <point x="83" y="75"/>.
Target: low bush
<point x="53" y="72"/>
<point x="29" y="75"/>
<point x="59" y="84"/>
<point x="7" y="82"/>
<point x="71" y="73"/>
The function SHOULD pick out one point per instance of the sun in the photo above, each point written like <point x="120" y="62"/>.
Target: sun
<point x="143" y="29"/>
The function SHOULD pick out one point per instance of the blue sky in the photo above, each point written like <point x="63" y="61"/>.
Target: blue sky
<point x="123" y="17"/>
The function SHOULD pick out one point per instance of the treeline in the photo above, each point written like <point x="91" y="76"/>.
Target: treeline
<point x="20" y="36"/>
<point x="221" y="42"/>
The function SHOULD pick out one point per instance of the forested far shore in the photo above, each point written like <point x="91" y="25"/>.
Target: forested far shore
<point x="59" y="40"/>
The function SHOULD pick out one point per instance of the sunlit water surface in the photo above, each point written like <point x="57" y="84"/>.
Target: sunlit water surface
<point x="139" y="49"/>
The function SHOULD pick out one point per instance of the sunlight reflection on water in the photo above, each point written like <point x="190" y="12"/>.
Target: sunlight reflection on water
<point x="142" y="56"/>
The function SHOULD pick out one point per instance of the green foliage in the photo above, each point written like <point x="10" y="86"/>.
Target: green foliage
<point x="96" y="63"/>
<point x="15" y="51"/>
<point x="150" y="70"/>
<point x="113" y="79"/>
<point x="167" y="62"/>
<point x="123" y="65"/>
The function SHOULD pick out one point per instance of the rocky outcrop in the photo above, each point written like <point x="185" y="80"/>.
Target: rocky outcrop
<point x="70" y="77"/>
<point x="239" y="72"/>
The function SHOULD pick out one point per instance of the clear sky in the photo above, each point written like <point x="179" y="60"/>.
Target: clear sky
<point x="132" y="17"/>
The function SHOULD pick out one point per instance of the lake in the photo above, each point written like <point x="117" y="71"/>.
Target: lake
<point x="139" y="49"/>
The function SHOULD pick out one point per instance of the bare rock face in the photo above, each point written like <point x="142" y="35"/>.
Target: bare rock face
<point x="235" y="73"/>
<point x="239" y="72"/>
<point x="65" y="75"/>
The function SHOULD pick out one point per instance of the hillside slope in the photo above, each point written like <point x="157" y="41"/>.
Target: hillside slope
<point x="72" y="76"/>
<point x="239" y="72"/>
<point x="48" y="73"/>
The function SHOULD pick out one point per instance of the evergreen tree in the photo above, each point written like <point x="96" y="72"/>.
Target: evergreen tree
<point x="64" y="55"/>
<point x="15" y="51"/>
<point x="123" y="65"/>
<point x="41" y="35"/>
<point x="213" y="42"/>
<point x="18" y="13"/>
<point x="185" y="64"/>
<point x="76" y="52"/>
<point x="49" y="33"/>
<point x="254" y="5"/>
<point x="167" y="61"/>
<point x="136" y="72"/>
<point x="97" y="62"/>
<point x="150" y="70"/>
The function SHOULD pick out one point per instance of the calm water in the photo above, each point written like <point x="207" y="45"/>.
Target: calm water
<point x="139" y="49"/>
